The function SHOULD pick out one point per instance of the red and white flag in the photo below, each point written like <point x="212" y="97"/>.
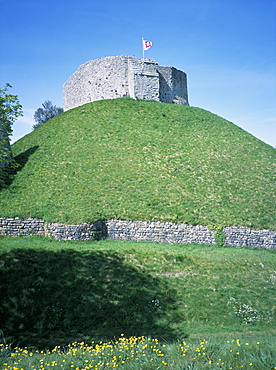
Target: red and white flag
<point x="147" y="44"/>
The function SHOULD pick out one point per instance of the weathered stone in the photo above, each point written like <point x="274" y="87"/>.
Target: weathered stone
<point x="166" y="232"/>
<point x="118" y="76"/>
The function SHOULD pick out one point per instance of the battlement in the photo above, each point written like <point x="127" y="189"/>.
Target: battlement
<point x="117" y="76"/>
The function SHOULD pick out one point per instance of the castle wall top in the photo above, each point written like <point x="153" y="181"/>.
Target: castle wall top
<point x="117" y="76"/>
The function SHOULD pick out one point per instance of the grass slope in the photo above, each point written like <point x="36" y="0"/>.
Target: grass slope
<point x="143" y="160"/>
<point x="98" y="290"/>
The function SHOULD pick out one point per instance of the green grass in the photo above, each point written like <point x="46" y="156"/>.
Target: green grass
<point x="140" y="353"/>
<point x="57" y="292"/>
<point x="140" y="160"/>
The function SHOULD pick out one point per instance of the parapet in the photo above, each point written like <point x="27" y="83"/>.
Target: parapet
<point x="117" y="76"/>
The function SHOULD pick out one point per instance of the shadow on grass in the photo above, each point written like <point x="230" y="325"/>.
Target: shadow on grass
<point x="53" y="298"/>
<point x="16" y="165"/>
<point x="23" y="157"/>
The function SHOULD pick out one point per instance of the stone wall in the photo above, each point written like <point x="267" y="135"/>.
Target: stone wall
<point x="33" y="226"/>
<point x="104" y="78"/>
<point x="173" y="85"/>
<point x="17" y="227"/>
<point x="118" y="76"/>
<point x="163" y="232"/>
<point x="143" y="79"/>
<point x="245" y="237"/>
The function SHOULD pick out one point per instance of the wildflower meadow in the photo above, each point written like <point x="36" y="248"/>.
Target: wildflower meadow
<point x="142" y="353"/>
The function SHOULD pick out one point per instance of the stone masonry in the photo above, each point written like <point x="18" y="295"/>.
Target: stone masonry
<point x="162" y="232"/>
<point x="117" y="76"/>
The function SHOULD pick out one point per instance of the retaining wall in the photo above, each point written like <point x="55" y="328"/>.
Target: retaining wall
<point x="163" y="232"/>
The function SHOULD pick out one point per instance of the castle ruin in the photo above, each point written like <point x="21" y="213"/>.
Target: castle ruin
<point x="117" y="76"/>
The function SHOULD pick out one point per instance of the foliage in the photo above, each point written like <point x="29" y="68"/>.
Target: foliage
<point x="10" y="109"/>
<point x="98" y="290"/>
<point x="141" y="160"/>
<point x="140" y="353"/>
<point x="7" y="173"/>
<point x="219" y="235"/>
<point x="45" y="113"/>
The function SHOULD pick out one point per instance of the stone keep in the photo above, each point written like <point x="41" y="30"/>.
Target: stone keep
<point x="117" y="76"/>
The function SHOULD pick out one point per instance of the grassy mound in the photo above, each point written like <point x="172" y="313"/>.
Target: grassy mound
<point x="56" y="292"/>
<point x="142" y="160"/>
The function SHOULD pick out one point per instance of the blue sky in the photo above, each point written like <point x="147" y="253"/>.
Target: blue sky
<point x="226" y="47"/>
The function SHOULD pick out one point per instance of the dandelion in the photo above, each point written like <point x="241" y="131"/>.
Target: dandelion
<point x="120" y="354"/>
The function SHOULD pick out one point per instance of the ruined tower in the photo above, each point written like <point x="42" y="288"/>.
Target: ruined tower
<point x="117" y="76"/>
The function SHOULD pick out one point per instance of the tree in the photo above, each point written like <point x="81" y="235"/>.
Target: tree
<point x="45" y="113"/>
<point x="10" y="109"/>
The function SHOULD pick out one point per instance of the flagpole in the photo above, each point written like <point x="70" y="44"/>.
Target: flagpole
<point x="143" y="51"/>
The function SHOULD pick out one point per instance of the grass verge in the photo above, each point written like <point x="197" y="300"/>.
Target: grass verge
<point x="140" y="353"/>
<point x="57" y="292"/>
